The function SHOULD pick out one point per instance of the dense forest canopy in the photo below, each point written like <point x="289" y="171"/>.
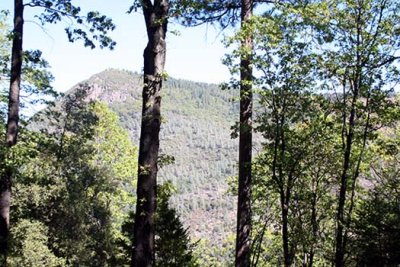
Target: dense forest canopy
<point x="293" y="161"/>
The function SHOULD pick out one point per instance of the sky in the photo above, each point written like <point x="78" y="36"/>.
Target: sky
<point x="193" y="54"/>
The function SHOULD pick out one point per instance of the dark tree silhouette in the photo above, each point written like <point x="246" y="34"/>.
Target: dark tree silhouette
<point x="53" y="11"/>
<point x="155" y="15"/>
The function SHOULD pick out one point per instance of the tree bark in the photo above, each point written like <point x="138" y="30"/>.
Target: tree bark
<point x="12" y="122"/>
<point x="314" y="224"/>
<point x="285" y="230"/>
<point x="356" y="84"/>
<point x="154" y="60"/>
<point x="242" y="257"/>
<point x="340" y="217"/>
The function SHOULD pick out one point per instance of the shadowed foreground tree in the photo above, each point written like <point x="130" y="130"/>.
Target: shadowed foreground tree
<point x="189" y="13"/>
<point x="12" y="125"/>
<point x="156" y="19"/>
<point x="53" y="11"/>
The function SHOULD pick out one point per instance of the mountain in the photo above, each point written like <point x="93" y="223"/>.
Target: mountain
<point x="196" y="131"/>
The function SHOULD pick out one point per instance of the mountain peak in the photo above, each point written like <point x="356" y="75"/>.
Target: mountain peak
<point x="196" y="131"/>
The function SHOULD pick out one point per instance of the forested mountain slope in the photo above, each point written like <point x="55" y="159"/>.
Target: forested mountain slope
<point x="196" y="132"/>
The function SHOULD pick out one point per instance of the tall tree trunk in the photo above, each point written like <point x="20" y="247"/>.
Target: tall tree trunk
<point x="242" y="257"/>
<point x="285" y="231"/>
<point x="154" y="60"/>
<point x="340" y="217"/>
<point x="356" y="84"/>
<point x="12" y="122"/>
<point x="314" y="224"/>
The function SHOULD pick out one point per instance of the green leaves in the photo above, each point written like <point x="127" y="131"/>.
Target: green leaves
<point x="91" y="28"/>
<point x="36" y="78"/>
<point x="377" y="217"/>
<point x="173" y="245"/>
<point x="76" y="179"/>
<point x="326" y="74"/>
<point x="29" y="245"/>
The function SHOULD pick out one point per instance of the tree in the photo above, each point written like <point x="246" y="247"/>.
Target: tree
<point x="36" y="81"/>
<point x="30" y="243"/>
<point x="172" y="241"/>
<point x="288" y="120"/>
<point x="74" y="183"/>
<point x="173" y="245"/>
<point x="5" y="48"/>
<point x="12" y="124"/>
<point x="301" y="177"/>
<point x="156" y="19"/>
<point x="36" y="78"/>
<point x="360" y="68"/>
<point x="242" y="256"/>
<point x="225" y="13"/>
<point x="192" y="13"/>
<point x="375" y="231"/>
<point x="53" y="12"/>
<point x="4" y="56"/>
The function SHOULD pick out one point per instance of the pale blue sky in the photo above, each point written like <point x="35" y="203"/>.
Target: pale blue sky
<point x="195" y="54"/>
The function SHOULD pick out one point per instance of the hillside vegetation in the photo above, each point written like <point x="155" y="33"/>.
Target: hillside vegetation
<point x="196" y="131"/>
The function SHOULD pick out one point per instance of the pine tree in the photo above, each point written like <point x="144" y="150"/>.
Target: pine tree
<point x="173" y="245"/>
